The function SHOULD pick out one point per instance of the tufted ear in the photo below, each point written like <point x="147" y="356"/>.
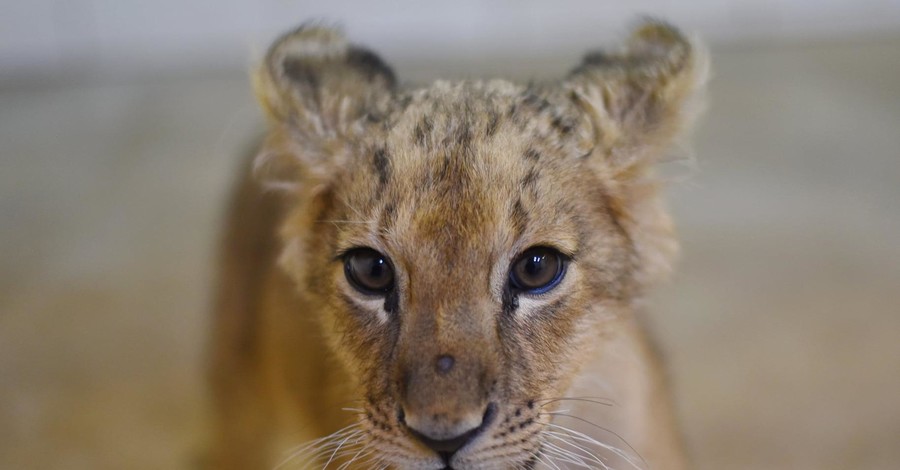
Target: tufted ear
<point x="320" y="92"/>
<point x="639" y="99"/>
<point x="315" y="81"/>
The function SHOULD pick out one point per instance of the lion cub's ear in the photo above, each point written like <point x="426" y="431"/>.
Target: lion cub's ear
<point x="314" y="80"/>
<point x="637" y="102"/>
<point x="639" y="99"/>
<point x="320" y="92"/>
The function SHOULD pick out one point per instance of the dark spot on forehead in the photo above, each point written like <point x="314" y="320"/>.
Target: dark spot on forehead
<point x="532" y="154"/>
<point x="529" y="181"/>
<point x="563" y="125"/>
<point x="535" y="101"/>
<point x="382" y="164"/>
<point x="516" y="116"/>
<point x="422" y="130"/>
<point x="519" y="217"/>
<point x="492" y="124"/>
<point x="463" y="137"/>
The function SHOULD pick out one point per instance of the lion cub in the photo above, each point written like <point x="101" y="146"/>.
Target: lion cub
<point x="447" y="276"/>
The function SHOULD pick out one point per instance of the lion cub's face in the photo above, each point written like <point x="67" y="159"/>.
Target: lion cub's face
<point x="465" y="245"/>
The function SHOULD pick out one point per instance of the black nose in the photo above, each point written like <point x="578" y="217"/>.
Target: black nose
<point x="447" y="447"/>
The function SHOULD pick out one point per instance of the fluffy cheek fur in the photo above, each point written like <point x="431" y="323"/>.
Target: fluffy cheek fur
<point x="545" y="348"/>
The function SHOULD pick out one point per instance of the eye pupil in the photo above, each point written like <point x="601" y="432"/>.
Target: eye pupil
<point x="533" y="266"/>
<point x="368" y="271"/>
<point x="538" y="270"/>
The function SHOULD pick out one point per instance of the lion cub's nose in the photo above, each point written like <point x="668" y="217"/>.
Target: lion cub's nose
<point x="445" y="438"/>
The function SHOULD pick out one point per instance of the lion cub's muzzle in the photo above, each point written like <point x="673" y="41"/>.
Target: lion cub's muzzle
<point x="446" y="447"/>
<point x="445" y="398"/>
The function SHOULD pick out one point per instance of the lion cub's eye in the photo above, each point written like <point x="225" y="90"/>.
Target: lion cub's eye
<point x="537" y="270"/>
<point x="369" y="271"/>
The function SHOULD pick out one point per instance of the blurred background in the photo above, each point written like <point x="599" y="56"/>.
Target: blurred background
<point x="122" y="124"/>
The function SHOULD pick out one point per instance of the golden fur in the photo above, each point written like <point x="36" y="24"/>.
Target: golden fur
<point x="452" y="182"/>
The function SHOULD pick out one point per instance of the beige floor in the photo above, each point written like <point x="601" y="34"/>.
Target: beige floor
<point x="783" y="323"/>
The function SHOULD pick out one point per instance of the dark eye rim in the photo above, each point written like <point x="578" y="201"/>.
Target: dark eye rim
<point x="351" y="276"/>
<point x="561" y="270"/>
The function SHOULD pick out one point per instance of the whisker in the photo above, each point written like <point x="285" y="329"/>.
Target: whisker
<point x="335" y="453"/>
<point x="361" y="222"/>
<point x="319" y="445"/>
<point x="555" y="452"/>
<point x="595" y="400"/>
<point x="357" y="456"/>
<point x="547" y="460"/>
<point x="590" y="455"/>
<point x="300" y="450"/>
<point x="598" y="427"/>
<point x="590" y="440"/>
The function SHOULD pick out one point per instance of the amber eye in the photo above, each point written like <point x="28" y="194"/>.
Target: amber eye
<point x="369" y="271"/>
<point x="537" y="270"/>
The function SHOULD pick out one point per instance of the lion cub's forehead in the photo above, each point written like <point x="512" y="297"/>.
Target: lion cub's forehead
<point x="448" y="114"/>
<point x="479" y="133"/>
<point x="462" y="166"/>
